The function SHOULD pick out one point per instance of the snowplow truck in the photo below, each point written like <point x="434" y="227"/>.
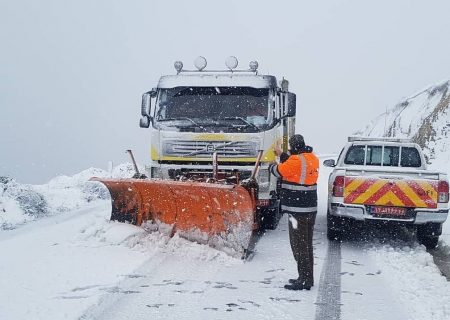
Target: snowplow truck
<point x="206" y="130"/>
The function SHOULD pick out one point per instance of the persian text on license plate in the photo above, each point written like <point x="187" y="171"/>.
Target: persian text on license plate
<point x="394" y="211"/>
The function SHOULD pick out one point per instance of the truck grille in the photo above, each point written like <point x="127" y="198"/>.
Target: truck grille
<point x="202" y="149"/>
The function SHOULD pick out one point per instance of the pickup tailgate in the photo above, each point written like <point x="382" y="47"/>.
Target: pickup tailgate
<point x="394" y="191"/>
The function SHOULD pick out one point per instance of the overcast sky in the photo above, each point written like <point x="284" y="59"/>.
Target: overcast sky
<point x="72" y="72"/>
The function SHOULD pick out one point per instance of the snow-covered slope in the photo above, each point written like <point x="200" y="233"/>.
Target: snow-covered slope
<point x="424" y="117"/>
<point x="20" y="203"/>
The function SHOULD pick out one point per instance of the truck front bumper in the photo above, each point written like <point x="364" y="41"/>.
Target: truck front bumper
<point x="418" y="216"/>
<point x="168" y="170"/>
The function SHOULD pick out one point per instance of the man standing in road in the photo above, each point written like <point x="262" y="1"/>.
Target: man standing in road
<point x="299" y="171"/>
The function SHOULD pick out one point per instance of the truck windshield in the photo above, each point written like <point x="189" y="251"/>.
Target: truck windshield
<point x="246" y="108"/>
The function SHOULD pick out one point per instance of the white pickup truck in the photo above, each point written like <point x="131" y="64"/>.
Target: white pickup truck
<point x="386" y="179"/>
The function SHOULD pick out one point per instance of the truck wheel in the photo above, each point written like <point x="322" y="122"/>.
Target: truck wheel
<point x="270" y="218"/>
<point x="428" y="234"/>
<point x="334" y="232"/>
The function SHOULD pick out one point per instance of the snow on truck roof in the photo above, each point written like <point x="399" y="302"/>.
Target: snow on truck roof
<point x="200" y="79"/>
<point x="378" y="139"/>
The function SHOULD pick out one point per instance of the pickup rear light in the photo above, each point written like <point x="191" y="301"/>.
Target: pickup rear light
<point x="338" y="186"/>
<point x="443" y="192"/>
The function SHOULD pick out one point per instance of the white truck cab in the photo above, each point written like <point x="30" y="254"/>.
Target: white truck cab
<point x="231" y="113"/>
<point x="386" y="179"/>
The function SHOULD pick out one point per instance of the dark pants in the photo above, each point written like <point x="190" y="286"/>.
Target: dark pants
<point x="301" y="244"/>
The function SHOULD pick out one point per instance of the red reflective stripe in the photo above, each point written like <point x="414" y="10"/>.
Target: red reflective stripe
<point x="422" y="195"/>
<point x="402" y="196"/>
<point x="358" y="191"/>
<point x="407" y="202"/>
<point x="348" y="180"/>
<point x="378" y="194"/>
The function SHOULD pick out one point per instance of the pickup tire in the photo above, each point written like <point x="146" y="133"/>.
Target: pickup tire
<point x="334" y="235"/>
<point x="334" y="228"/>
<point x="428" y="234"/>
<point x="429" y="242"/>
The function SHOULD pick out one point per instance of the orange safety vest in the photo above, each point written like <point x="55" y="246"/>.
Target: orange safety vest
<point x="300" y="168"/>
<point x="299" y="175"/>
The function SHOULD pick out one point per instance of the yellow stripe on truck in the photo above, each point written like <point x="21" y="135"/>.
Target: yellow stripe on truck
<point x="411" y="194"/>
<point x="428" y="189"/>
<point x="370" y="191"/>
<point x="389" y="197"/>
<point x="267" y="157"/>
<point x="352" y="186"/>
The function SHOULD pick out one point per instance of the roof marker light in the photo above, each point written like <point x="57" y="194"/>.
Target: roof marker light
<point x="178" y="66"/>
<point x="231" y="62"/>
<point x="200" y="63"/>
<point x="253" y="65"/>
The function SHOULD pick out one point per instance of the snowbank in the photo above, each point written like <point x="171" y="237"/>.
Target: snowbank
<point x="21" y="203"/>
<point x="421" y="289"/>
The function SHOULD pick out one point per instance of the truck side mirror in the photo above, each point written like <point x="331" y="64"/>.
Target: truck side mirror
<point x="146" y="106"/>
<point x="329" y="163"/>
<point x="144" y="122"/>
<point x="291" y="104"/>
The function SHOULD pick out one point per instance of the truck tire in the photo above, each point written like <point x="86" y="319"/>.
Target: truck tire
<point x="428" y="234"/>
<point x="270" y="217"/>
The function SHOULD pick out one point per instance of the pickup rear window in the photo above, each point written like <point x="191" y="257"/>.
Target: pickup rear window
<point x="410" y="158"/>
<point x="386" y="156"/>
<point x="355" y="155"/>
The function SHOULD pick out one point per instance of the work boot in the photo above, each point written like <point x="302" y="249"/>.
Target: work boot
<point x="296" y="284"/>
<point x="295" y="280"/>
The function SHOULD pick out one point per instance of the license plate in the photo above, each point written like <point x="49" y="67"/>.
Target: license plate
<point x="393" y="211"/>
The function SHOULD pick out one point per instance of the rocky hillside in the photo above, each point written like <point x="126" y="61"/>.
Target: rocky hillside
<point x="424" y="117"/>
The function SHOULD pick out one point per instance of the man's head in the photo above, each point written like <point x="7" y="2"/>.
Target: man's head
<point x="297" y="143"/>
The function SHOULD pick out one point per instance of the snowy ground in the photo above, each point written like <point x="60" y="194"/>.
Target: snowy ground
<point x="73" y="263"/>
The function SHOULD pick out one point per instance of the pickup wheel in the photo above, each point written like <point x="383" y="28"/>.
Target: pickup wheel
<point x="429" y="242"/>
<point x="334" y="235"/>
<point x="428" y="234"/>
<point x="334" y="232"/>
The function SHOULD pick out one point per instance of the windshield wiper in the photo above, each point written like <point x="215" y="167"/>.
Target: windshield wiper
<point x="248" y="124"/>
<point x="184" y="118"/>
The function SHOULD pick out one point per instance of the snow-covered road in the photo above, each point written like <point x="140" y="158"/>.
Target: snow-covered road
<point x="79" y="265"/>
<point x="192" y="284"/>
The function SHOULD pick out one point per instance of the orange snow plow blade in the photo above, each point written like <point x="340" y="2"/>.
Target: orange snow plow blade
<point x="222" y="216"/>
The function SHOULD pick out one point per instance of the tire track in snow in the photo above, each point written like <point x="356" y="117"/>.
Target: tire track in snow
<point x="329" y="295"/>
